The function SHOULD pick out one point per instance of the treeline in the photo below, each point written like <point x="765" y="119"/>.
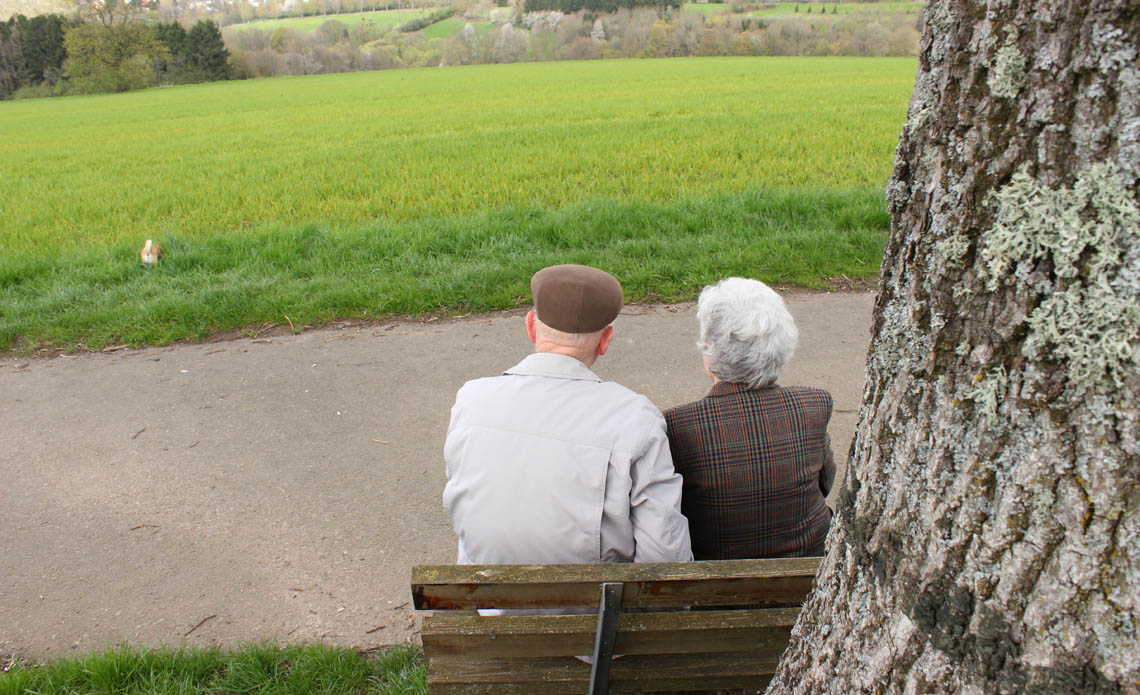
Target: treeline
<point x="128" y="55"/>
<point x="541" y="36"/>
<point x="332" y="47"/>
<point x="32" y="52"/>
<point x="241" y="11"/>
<point x="596" y="6"/>
<point x="49" y="55"/>
<point x="428" y="19"/>
<point x="645" y="33"/>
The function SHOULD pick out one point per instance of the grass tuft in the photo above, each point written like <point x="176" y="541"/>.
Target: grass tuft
<point x="263" y="669"/>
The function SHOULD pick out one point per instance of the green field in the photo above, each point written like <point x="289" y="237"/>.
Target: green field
<point x="383" y="19"/>
<point x="368" y="194"/>
<point x="441" y="30"/>
<point x="789" y="8"/>
<point x="767" y="9"/>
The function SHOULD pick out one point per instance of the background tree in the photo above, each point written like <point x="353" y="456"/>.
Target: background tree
<point x="173" y="37"/>
<point x="114" y="50"/>
<point x="331" y="32"/>
<point x="987" y="537"/>
<point x="44" y="51"/>
<point x="13" y="67"/>
<point x="206" y="54"/>
<point x="118" y="61"/>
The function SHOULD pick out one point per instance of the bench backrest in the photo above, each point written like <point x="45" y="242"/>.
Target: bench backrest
<point x="717" y="625"/>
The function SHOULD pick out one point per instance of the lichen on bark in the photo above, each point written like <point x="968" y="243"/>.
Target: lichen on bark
<point x="1081" y="231"/>
<point x="954" y="249"/>
<point x="1007" y="76"/>
<point x="988" y="391"/>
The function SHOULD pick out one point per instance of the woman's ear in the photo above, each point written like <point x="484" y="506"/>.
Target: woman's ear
<point x="715" y="379"/>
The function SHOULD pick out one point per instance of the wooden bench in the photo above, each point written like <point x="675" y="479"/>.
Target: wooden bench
<point x="739" y="618"/>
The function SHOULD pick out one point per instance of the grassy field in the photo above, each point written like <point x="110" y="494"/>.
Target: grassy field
<point x="789" y="8"/>
<point x="441" y="30"/>
<point x="382" y="19"/>
<point x="792" y="9"/>
<point x="366" y="194"/>
<point x="255" y="670"/>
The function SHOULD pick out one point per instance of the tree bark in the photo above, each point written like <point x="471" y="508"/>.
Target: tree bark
<point x="987" y="537"/>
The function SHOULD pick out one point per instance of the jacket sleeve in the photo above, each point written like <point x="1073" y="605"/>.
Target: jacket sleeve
<point x="827" y="473"/>
<point x="660" y="531"/>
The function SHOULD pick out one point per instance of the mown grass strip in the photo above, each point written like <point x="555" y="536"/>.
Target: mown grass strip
<point x="447" y="27"/>
<point x="460" y="264"/>
<point x="255" y="670"/>
<point x="794" y="9"/>
<point x="383" y="19"/>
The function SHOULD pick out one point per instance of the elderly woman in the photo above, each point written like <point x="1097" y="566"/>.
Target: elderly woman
<point x="755" y="457"/>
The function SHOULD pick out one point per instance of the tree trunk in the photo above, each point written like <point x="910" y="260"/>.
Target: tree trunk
<point x="987" y="538"/>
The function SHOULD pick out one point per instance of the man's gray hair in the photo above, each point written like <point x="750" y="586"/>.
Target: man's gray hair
<point x="747" y="335"/>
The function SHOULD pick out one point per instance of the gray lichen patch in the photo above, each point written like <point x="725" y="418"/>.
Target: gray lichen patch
<point x="1007" y="73"/>
<point x="898" y="195"/>
<point x="987" y="392"/>
<point x="1092" y="329"/>
<point x="1093" y="323"/>
<point x="901" y="350"/>
<point x="920" y="120"/>
<point x="1035" y="222"/>
<point x="1025" y="218"/>
<point x="954" y="249"/>
<point x="1114" y="48"/>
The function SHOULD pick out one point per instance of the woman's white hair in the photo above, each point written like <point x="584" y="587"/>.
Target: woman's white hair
<point x="747" y="335"/>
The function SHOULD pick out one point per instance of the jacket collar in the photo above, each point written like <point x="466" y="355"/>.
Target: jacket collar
<point x="554" y="366"/>
<point x="725" y="388"/>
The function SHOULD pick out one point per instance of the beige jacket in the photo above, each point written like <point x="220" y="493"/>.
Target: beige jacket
<point x="549" y="464"/>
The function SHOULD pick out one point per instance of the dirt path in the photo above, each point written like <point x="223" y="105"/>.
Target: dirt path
<point x="282" y="488"/>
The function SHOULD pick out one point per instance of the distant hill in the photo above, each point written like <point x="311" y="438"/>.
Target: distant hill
<point x="31" y="8"/>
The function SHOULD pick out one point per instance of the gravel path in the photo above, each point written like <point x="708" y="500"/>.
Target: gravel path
<point x="283" y="487"/>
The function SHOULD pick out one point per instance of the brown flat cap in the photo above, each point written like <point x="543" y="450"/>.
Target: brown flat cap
<point x="576" y="298"/>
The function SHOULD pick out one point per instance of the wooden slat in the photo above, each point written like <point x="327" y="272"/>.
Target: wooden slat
<point x="627" y="672"/>
<point x="716" y="583"/>
<point x="638" y="633"/>
<point x="706" y="684"/>
<point x="598" y="572"/>
<point x="709" y="685"/>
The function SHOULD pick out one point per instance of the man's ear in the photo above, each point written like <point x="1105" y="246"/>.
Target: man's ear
<point x="530" y="325"/>
<point x="604" y="343"/>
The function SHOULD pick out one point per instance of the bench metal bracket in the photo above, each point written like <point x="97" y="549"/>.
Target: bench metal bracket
<point x="605" y="637"/>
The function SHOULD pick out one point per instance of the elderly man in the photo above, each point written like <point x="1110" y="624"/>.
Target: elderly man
<point x="755" y="456"/>
<point x="547" y="463"/>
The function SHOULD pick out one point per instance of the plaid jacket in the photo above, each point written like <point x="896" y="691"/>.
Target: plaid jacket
<point x="757" y="465"/>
